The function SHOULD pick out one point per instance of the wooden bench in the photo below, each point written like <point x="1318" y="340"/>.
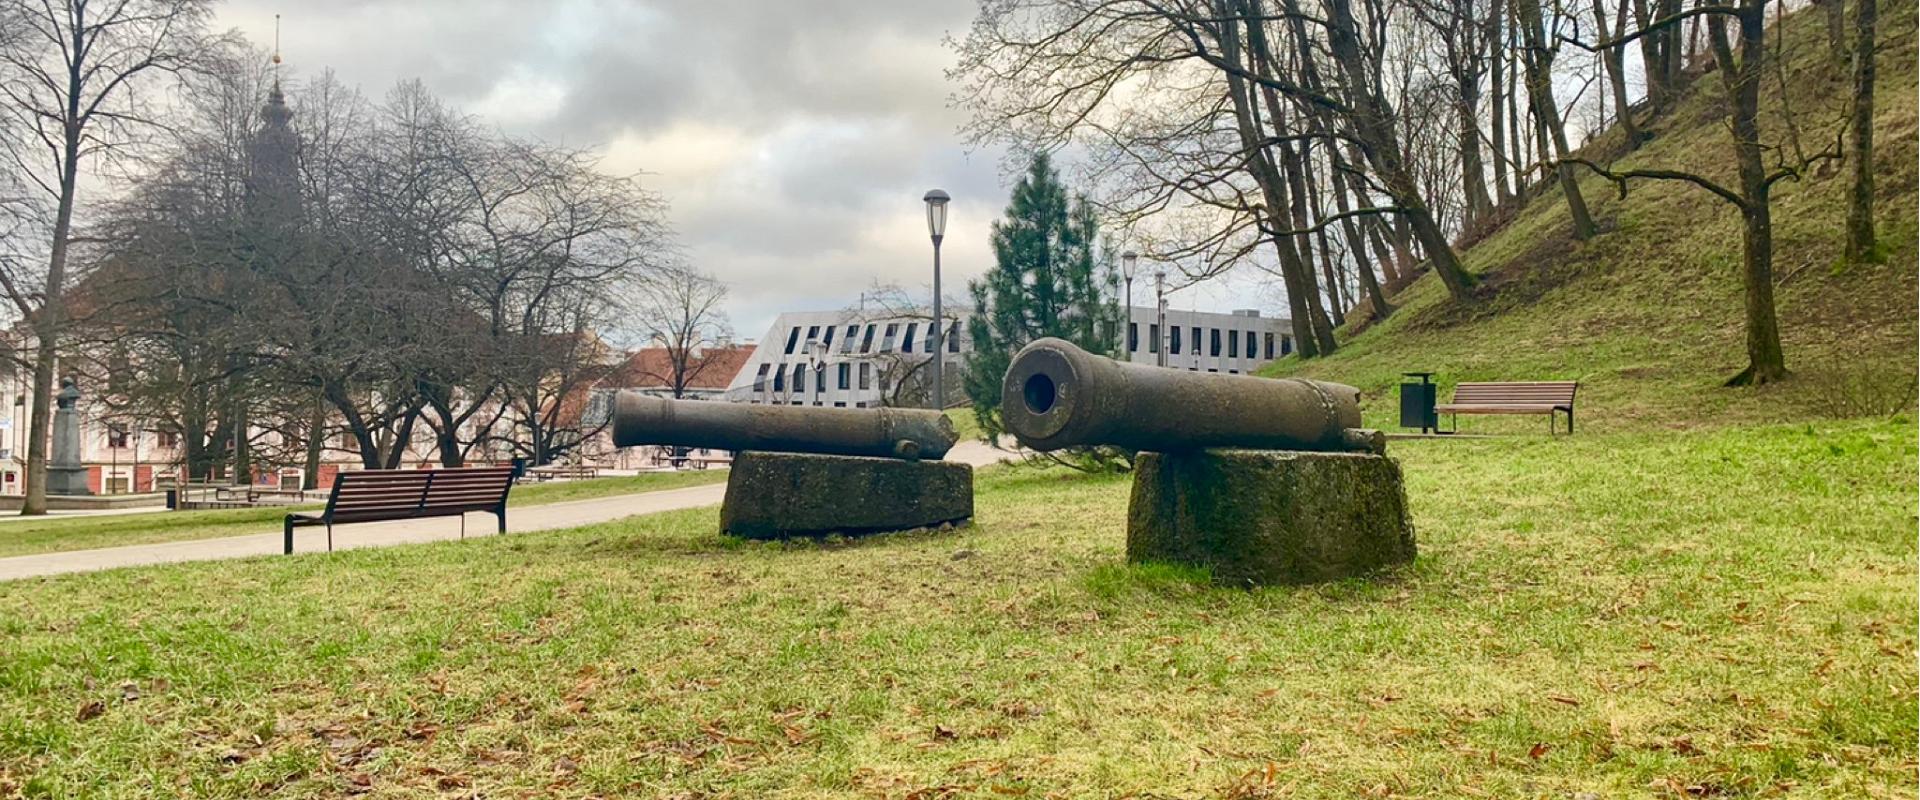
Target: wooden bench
<point x="1535" y="397"/>
<point x="376" y="495"/>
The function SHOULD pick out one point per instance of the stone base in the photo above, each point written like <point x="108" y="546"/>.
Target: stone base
<point x="781" y="495"/>
<point x="1260" y="517"/>
<point x="68" y="481"/>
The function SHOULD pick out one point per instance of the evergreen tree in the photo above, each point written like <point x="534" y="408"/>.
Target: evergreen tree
<point x="1047" y="280"/>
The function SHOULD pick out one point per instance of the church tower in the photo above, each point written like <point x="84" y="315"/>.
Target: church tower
<point x="273" y="190"/>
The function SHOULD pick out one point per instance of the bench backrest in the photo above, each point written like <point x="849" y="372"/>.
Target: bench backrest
<point x="1540" y="393"/>
<point x="377" y="494"/>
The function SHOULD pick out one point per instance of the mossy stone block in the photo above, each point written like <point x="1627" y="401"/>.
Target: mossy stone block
<point x="1257" y="517"/>
<point x="782" y="495"/>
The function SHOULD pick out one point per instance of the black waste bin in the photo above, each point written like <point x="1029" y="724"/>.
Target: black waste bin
<point x="1417" y="401"/>
<point x="519" y="468"/>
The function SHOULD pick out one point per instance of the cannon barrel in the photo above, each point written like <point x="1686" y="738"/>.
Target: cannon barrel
<point x="881" y="432"/>
<point x="1057" y="395"/>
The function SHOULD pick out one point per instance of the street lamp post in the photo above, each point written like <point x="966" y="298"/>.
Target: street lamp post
<point x="937" y="228"/>
<point x="1129" y="262"/>
<point x="1160" y="317"/>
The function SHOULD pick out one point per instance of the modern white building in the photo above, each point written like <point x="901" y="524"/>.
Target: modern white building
<point x="848" y="359"/>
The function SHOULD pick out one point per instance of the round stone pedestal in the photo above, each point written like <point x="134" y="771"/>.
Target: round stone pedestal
<point x="1259" y="517"/>
<point x="781" y="495"/>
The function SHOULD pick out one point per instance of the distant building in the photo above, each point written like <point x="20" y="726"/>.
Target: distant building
<point x="708" y="373"/>
<point x="852" y="360"/>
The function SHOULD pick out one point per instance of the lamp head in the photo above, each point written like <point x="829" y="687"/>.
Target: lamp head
<point x="937" y="213"/>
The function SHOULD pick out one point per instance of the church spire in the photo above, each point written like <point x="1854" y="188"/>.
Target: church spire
<point x="276" y="151"/>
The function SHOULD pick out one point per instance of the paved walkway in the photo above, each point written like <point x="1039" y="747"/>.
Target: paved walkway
<point x="383" y="534"/>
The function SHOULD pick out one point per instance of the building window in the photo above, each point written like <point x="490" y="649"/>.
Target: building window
<point x="793" y="338"/>
<point x="116" y="435"/>
<point x="760" y="378"/>
<point x="861" y="404"/>
<point x="167" y="438"/>
<point x="839" y="404"/>
<point x="780" y="380"/>
<point x="1133" y="337"/>
<point x="1253" y="342"/>
<point x="1214" y="340"/>
<point x="866" y="341"/>
<point x="799" y="377"/>
<point x="886" y="342"/>
<point x="1286" y="344"/>
<point x="1173" y="346"/>
<point x="953" y="337"/>
<point x="846" y="342"/>
<point x="813" y="335"/>
<point x="866" y="376"/>
<point x="1269" y="345"/>
<point x="829" y="340"/>
<point x="1153" y="342"/>
<point x="1196" y="340"/>
<point x="906" y="342"/>
<point x="1233" y="344"/>
<point x="846" y="376"/>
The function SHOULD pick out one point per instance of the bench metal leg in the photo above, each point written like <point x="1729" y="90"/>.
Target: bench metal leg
<point x="329" y="537"/>
<point x="501" y="515"/>
<point x="463" y="524"/>
<point x="287" y="549"/>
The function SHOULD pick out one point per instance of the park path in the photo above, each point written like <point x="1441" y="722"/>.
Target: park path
<point x="520" y="519"/>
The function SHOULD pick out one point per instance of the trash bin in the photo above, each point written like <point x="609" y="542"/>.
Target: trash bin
<point x="1417" y="401"/>
<point x="519" y="468"/>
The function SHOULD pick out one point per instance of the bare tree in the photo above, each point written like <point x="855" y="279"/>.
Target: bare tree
<point x="73" y="76"/>
<point x="680" y="309"/>
<point x="1740" y="54"/>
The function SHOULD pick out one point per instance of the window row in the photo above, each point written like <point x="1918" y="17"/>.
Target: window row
<point x="1176" y="341"/>
<point x="890" y="337"/>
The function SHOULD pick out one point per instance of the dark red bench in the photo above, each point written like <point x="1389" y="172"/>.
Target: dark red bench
<point x="1533" y="397"/>
<point x="377" y="495"/>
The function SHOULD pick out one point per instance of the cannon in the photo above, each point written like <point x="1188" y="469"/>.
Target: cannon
<point x="1057" y="395"/>
<point x="910" y="434"/>
<point x="806" y="471"/>
<point x="1259" y="481"/>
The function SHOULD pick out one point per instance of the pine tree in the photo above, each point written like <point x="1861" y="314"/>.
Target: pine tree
<point x="1046" y="281"/>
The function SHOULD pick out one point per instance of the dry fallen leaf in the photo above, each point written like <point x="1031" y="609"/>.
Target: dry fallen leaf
<point x="1539" y="749"/>
<point x="90" y="710"/>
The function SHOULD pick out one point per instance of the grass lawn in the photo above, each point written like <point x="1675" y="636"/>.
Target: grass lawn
<point x="25" y="537"/>
<point x="1721" y="612"/>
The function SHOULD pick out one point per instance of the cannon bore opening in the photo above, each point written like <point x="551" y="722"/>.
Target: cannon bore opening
<point x="1039" y="394"/>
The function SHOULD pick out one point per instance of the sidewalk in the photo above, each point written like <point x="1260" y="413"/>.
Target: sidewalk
<point x="383" y="534"/>
<point x="364" y="534"/>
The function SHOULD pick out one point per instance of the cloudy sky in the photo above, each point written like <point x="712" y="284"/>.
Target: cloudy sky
<point x="793" y="139"/>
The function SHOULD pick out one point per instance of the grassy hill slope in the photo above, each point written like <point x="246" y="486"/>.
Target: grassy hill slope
<point x="1648" y="315"/>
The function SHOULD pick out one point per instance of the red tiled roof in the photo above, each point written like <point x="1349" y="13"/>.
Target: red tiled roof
<point x="650" y="368"/>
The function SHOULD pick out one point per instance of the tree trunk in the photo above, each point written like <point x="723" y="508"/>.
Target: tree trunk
<point x="1659" y="90"/>
<point x="1514" y="131"/>
<point x="1834" y="12"/>
<point x="1356" y="241"/>
<point x="1301" y="299"/>
<point x="1615" y="64"/>
<point x="1373" y="126"/>
<point x="1496" y="48"/>
<point x="1540" y="90"/>
<point x="46" y="329"/>
<point x="1473" y="172"/>
<point x="1860" y="233"/>
<point x="1741" y="77"/>
<point x="316" y="445"/>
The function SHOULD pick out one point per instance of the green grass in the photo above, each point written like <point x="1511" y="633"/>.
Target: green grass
<point x="965" y="424"/>
<point x="1720" y="612"/>
<point x="1649" y="315"/>
<point x="53" y="534"/>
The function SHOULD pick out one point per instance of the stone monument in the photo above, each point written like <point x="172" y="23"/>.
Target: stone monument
<point x="65" y="474"/>
<point x="801" y="471"/>
<point x="1263" y="481"/>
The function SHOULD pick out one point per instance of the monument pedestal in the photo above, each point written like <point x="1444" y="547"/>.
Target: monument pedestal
<point x="70" y="481"/>
<point x="1257" y="517"/>
<point x="782" y="495"/>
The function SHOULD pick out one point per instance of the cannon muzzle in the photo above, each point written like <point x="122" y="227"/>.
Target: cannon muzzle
<point x="1057" y="395"/>
<point x="880" y="432"/>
